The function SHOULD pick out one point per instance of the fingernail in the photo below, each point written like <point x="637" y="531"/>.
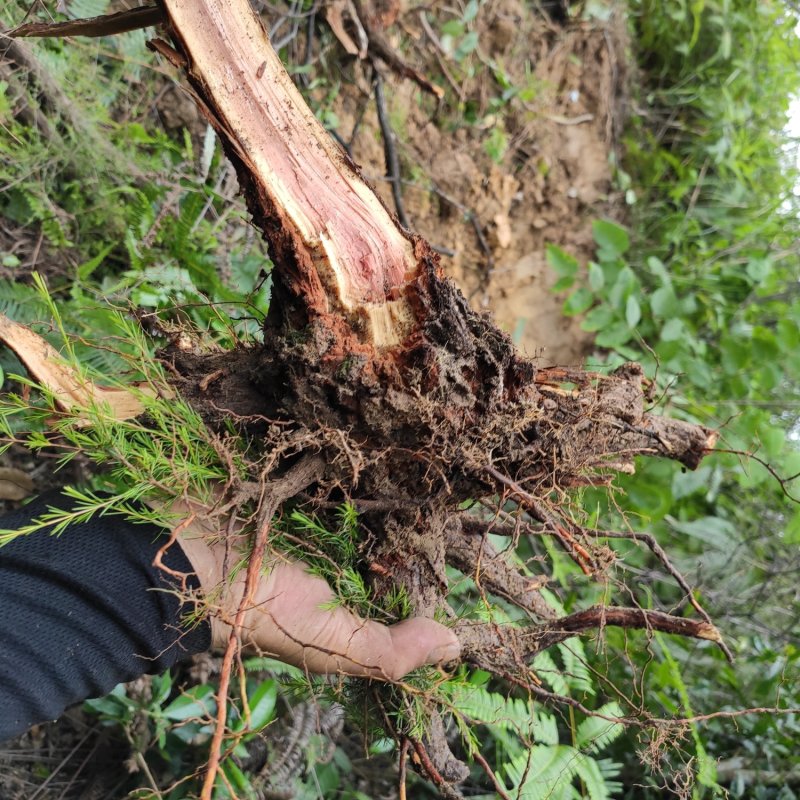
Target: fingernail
<point x="444" y="653"/>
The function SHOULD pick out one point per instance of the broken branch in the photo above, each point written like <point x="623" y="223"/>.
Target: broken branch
<point x="104" y="25"/>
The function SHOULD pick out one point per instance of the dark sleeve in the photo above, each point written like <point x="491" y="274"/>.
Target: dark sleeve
<point x="84" y="611"/>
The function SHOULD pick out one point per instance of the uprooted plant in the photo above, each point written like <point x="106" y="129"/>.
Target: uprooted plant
<point x="376" y="386"/>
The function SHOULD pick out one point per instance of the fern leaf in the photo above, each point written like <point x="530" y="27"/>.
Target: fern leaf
<point x="545" y="668"/>
<point x="610" y="770"/>
<point x="576" y="670"/>
<point x="20" y="302"/>
<point x="594" y="783"/>
<point x="495" y="709"/>
<point x="594" y="733"/>
<point x="544" y="773"/>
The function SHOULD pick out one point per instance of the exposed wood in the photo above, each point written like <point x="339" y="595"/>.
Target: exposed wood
<point x="350" y="255"/>
<point x="70" y="390"/>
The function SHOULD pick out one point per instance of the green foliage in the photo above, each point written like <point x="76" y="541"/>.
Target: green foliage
<point x="96" y="150"/>
<point x="505" y="724"/>
<point x="527" y="742"/>
<point x="458" y="39"/>
<point x="170" y="728"/>
<point x="700" y="286"/>
<point x="166" y="453"/>
<point x="95" y="187"/>
<point x="332" y="551"/>
<point x="715" y="227"/>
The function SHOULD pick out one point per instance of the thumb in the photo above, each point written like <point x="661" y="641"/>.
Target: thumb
<point x="421" y="641"/>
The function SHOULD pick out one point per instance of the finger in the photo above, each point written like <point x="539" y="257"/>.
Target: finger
<point x="295" y="622"/>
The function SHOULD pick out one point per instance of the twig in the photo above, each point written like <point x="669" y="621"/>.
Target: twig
<point x="378" y="47"/>
<point x="696" y="193"/>
<point x="142" y="764"/>
<point x="362" y="109"/>
<point x="104" y="25"/>
<point x="443" y="251"/>
<point x="579" y="554"/>
<point x="661" y="555"/>
<point x="487" y="251"/>
<point x="551" y="697"/>
<point x="295" y="15"/>
<point x="75" y="774"/>
<point x="431" y="34"/>
<point x="158" y="560"/>
<point x="401" y="769"/>
<point x="63" y="763"/>
<point x="768" y="467"/>
<point x="447" y="790"/>
<point x="302" y="77"/>
<point x="498" y="787"/>
<point x="473" y="220"/>
<point x="298" y="478"/>
<point x="389" y="149"/>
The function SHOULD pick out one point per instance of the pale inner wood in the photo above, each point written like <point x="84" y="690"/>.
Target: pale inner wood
<point x="355" y="244"/>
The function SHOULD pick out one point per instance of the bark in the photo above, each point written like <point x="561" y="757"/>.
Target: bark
<point x="106" y="25"/>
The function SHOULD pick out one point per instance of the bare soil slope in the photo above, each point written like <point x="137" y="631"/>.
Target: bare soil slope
<point x="552" y="180"/>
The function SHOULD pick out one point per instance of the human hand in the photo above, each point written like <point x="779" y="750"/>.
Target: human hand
<point x="291" y="618"/>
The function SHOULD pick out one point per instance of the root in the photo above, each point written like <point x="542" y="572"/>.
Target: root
<point x="492" y="647"/>
<point x="540" y="512"/>
<point x="407" y="461"/>
<point x="475" y="557"/>
<point x="434" y="771"/>
<point x="271" y="496"/>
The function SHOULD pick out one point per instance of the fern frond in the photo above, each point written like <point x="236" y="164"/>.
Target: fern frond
<point x="20" y="302"/>
<point x="544" y="773"/>
<point x="576" y="669"/>
<point x="494" y="709"/>
<point x="610" y="770"/>
<point x="594" y="782"/>
<point x="594" y="733"/>
<point x="545" y="668"/>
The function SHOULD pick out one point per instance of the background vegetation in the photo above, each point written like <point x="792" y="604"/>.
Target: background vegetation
<point x="698" y="280"/>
